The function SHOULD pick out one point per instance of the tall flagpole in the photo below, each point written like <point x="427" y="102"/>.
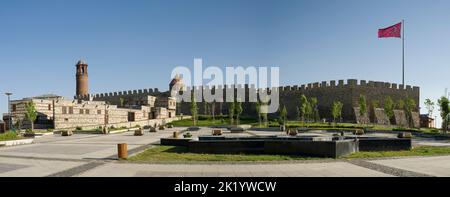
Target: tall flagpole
<point x="403" y="52"/>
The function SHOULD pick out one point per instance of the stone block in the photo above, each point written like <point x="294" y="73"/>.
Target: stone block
<point x="380" y="117"/>
<point x="217" y="132"/>
<point x="400" y="118"/>
<point x="360" y="119"/>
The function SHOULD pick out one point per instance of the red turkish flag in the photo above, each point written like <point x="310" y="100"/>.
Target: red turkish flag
<point x="392" y="31"/>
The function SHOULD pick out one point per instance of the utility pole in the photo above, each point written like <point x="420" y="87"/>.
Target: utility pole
<point x="9" y="110"/>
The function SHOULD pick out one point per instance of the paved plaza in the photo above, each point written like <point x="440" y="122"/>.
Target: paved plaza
<point x="89" y="155"/>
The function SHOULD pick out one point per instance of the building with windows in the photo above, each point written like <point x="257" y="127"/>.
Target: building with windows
<point x="85" y="111"/>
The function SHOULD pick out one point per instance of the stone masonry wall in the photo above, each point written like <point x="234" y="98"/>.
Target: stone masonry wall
<point x="326" y="92"/>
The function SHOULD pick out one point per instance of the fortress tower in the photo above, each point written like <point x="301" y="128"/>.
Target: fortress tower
<point x="82" y="78"/>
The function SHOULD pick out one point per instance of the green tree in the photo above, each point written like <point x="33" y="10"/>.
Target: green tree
<point x="430" y="107"/>
<point x="194" y="110"/>
<point x="444" y="107"/>
<point x="213" y="110"/>
<point x="121" y="101"/>
<point x="283" y="115"/>
<point x="238" y="111"/>
<point x="375" y="104"/>
<point x="315" y="109"/>
<point x="400" y="104"/>
<point x="205" y="108"/>
<point x="263" y="110"/>
<point x="362" y="105"/>
<point x="309" y="112"/>
<point x="231" y="109"/>
<point x="302" y="107"/>
<point x="258" y="112"/>
<point x="389" y="107"/>
<point x="31" y="113"/>
<point x="410" y="106"/>
<point x="336" y="110"/>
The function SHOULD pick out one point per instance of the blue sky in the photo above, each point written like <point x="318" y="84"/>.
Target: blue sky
<point x="136" y="44"/>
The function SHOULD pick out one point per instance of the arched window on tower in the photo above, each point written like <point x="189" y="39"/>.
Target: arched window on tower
<point x="82" y="70"/>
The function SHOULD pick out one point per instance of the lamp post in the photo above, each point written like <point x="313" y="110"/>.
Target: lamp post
<point x="9" y="109"/>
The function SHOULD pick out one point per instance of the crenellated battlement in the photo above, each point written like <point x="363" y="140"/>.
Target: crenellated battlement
<point x="149" y="91"/>
<point x="350" y="83"/>
<point x="327" y="92"/>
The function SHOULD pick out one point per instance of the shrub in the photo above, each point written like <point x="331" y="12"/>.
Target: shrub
<point x="9" y="136"/>
<point x="187" y="135"/>
<point x="78" y="128"/>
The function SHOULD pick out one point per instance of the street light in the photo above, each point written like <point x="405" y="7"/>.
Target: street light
<point x="9" y="110"/>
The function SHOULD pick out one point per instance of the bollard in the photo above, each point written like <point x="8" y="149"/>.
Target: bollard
<point x="175" y="134"/>
<point x="122" y="151"/>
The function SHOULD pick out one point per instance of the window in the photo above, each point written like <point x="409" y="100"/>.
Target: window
<point x="14" y="107"/>
<point x="81" y="111"/>
<point x="131" y="117"/>
<point x="49" y="107"/>
<point x="66" y="119"/>
<point x="99" y="111"/>
<point x="70" y="110"/>
<point x="64" y="110"/>
<point x="87" y="111"/>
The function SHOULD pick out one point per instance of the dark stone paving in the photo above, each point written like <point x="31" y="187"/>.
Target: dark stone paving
<point x="386" y="169"/>
<point x="77" y="170"/>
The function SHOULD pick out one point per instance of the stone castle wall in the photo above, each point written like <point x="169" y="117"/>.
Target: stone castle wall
<point x="326" y="92"/>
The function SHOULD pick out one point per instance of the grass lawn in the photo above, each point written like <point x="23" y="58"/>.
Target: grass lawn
<point x="417" y="151"/>
<point x="180" y="154"/>
<point x="204" y="121"/>
<point x="9" y="136"/>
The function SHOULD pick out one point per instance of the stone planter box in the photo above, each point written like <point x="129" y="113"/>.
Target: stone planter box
<point x="217" y="132"/>
<point x="66" y="133"/>
<point x="139" y="132"/>
<point x="153" y="130"/>
<point x="358" y="132"/>
<point x="16" y="142"/>
<point x="404" y="135"/>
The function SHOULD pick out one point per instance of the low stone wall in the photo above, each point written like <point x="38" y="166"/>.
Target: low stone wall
<point x="141" y="123"/>
<point x="384" y="144"/>
<point x="332" y="149"/>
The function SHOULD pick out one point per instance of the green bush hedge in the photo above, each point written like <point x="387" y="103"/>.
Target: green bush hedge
<point x="9" y="136"/>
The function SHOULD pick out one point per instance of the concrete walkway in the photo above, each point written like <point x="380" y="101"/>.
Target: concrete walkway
<point x="95" y="155"/>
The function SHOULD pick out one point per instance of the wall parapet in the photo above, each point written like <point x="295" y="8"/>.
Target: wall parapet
<point x="352" y="83"/>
